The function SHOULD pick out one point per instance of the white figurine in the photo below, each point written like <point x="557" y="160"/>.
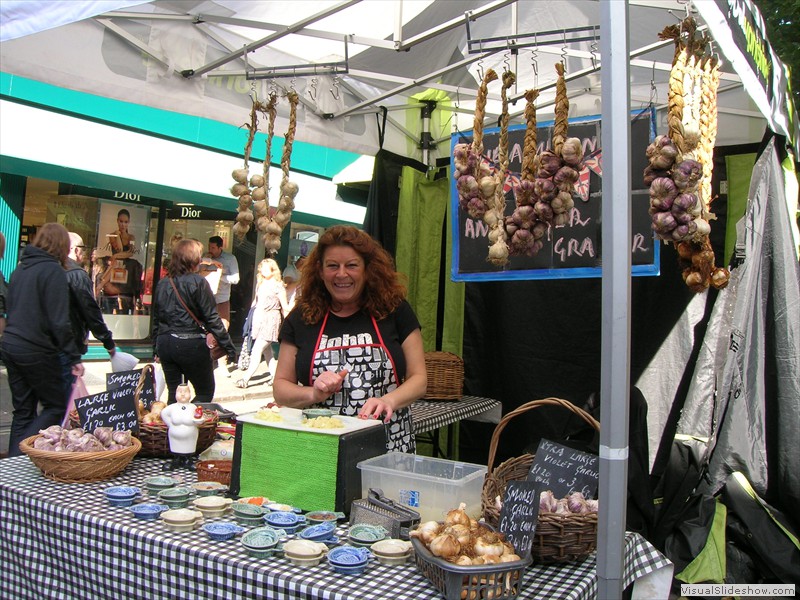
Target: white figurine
<point x="183" y="420"/>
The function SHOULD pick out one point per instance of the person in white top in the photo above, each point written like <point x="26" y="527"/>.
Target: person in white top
<point x="270" y="306"/>
<point x="228" y="266"/>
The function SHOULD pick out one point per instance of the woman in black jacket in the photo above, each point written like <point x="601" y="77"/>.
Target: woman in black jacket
<point x="38" y="347"/>
<point x="179" y="342"/>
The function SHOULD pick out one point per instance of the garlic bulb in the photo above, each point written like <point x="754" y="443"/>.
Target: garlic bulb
<point x="445" y="545"/>
<point x="489" y="544"/>
<point x="460" y="532"/>
<point x="426" y="531"/>
<point x="457" y="516"/>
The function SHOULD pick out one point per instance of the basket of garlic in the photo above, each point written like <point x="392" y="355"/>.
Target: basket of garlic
<point x="465" y="559"/>
<point x="562" y="535"/>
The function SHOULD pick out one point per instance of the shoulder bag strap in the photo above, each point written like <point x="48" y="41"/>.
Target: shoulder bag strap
<point x="180" y="299"/>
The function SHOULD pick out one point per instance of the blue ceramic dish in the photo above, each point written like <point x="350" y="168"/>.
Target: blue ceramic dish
<point x="285" y="520"/>
<point x="319" y="532"/>
<point x="122" y="491"/>
<point x="222" y="531"/>
<point x="147" y="511"/>
<point x="348" y="556"/>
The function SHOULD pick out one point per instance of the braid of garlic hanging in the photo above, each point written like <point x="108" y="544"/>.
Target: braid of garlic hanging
<point x="692" y="98"/>
<point x="708" y="127"/>
<point x="260" y="183"/>
<point x="244" y="216"/>
<point x="561" y="111"/>
<point x="675" y="98"/>
<point x="529" y="147"/>
<point x="474" y="181"/>
<point x="288" y="189"/>
<point x="494" y="217"/>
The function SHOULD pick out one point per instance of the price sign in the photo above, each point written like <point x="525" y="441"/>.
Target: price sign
<point x="564" y="470"/>
<point x="112" y="408"/>
<point x="519" y="514"/>
<point x="131" y="379"/>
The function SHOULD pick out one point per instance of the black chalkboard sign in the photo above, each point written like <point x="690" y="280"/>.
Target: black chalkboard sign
<point x="571" y="250"/>
<point x="112" y="408"/>
<point x="519" y="514"/>
<point x="131" y="378"/>
<point x="564" y="470"/>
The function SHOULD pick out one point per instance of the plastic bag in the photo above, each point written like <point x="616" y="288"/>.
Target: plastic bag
<point x="78" y="391"/>
<point x="161" y="382"/>
<point x="122" y="361"/>
<point x="219" y="450"/>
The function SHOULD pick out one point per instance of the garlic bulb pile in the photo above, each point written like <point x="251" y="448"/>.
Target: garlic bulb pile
<point x="681" y="162"/>
<point x="575" y="503"/>
<point x="56" y="439"/>
<point x="474" y="179"/>
<point x="463" y="541"/>
<point x="241" y="189"/>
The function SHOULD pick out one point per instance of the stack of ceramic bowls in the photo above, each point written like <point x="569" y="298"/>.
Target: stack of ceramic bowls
<point x="348" y="560"/>
<point x="222" y="531"/>
<point x="181" y="520"/>
<point x="321" y="532"/>
<point x="304" y="553"/>
<point x="175" y="497"/>
<point x="391" y="551"/>
<point x="209" y="488"/>
<point x="250" y="515"/>
<point x="364" y="534"/>
<point x="148" y="511"/>
<point x="122" y="495"/>
<point x="262" y="542"/>
<point x="212" y="506"/>
<point x="159" y="483"/>
<point x="288" y="521"/>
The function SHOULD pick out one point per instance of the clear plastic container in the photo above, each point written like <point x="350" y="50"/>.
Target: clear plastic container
<point x="430" y="486"/>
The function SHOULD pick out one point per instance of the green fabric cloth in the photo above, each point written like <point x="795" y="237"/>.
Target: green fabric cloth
<point x="303" y="476"/>
<point x="710" y="565"/>
<point x="739" y="168"/>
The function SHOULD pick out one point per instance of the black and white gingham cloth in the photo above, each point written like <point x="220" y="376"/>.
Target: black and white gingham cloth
<point x="63" y="541"/>
<point x="428" y="415"/>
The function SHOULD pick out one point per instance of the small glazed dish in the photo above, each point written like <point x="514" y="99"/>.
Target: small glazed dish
<point x="257" y="500"/>
<point x="313" y="413"/>
<point x="247" y="510"/>
<point x="250" y="521"/>
<point x="177" y="497"/>
<point x="182" y="519"/>
<point x="122" y="495"/>
<point x="324" y="516"/>
<point x="364" y="534"/>
<point x="148" y="511"/>
<point x="222" y="531"/>
<point x="288" y="521"/>
<point x="304" y="553"/>
<point x="391" y="551"/>
<point x="159" y="482"/>
<point x="262" y="542"/>
<point x="212" y="506"/>
<point x="318" y="532"/>
<point x="278" y="507"/>
<point x="348" y="560"/>
<point x="209" y="488"/>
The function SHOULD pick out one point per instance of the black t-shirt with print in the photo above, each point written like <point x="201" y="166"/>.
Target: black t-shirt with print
<point x="357" y="328"/>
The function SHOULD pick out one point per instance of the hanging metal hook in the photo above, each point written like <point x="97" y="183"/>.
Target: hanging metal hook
<point x="653" y="88"/>
<point x="535" y="61"/>
<point x="312" y="89"/>
<point x="335" y="92"/>
<point x="564" y="51"/>
<point x="593" y="47"/>
<point x="294" y="76"/>
<point x="253" y="93"/>
<point x="507" y="61"/>
<point x="480" y="69"/>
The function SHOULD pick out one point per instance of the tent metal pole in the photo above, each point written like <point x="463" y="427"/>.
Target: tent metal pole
<point x="616" y="296"/>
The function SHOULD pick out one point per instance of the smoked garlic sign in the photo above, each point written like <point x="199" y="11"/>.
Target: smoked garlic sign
<point x="572" y="250"/>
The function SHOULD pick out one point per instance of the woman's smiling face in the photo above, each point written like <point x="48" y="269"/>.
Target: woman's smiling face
<point x="344" y="275"/>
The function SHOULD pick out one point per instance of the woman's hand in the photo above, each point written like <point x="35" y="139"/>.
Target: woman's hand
<point x="328" y="383"/>
<point x="78" y="369"/>
<point x="374" y="408"/>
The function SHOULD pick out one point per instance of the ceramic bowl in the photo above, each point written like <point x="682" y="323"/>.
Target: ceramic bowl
<point x="348" y="560"/>
<point x="212" y="506"/>
<point x="209" y="488"/>
<point x="182" y="519"/>
<point x="262" y="542"/>
<point x="364" y="534"/>
<point x="284" y="519"/>
<point x="222" y="531"/>
<point x="304" y="553"/>
<point x="323" y="516"/>
<point x="313" y="413"/>
<point x="148" y="511"/>
<point x="175" y="493"/>
<point x="247" y="510"/>
<point x="159" y="482"/>
<point x="250" y="521"/>
<point x="277" y="507"/>
<point x="391" y="547"/>
<point x="318" y="532"/>
<point x="257" y="500"/>
<point x="122" y="495"/>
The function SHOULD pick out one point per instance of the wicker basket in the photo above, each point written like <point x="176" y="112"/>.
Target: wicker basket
<point x="214" y="470"/>
<point x="79" y="467"/>
<point x="154" y="438"/>
<point x="558" y="538"/>
<point x="445" y="376"/>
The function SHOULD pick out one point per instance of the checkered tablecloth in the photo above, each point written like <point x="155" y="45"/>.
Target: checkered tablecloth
<point x="428" y="415"/>
<point x="63" y="541"/>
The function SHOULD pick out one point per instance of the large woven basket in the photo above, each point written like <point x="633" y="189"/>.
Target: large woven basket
<point x="214" y="470"/>
<point x="557" y="538"/>
<point x="445" y="376"/>
<point x="154" y="438"/>
<point x="79" y="467"/>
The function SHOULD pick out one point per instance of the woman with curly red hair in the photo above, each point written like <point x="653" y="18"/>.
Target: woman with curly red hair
<point x="352" y="342"/>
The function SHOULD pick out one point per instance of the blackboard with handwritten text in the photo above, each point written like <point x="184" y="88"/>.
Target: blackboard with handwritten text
<point x="563" y="470"/>
<point x="131" y="378"/>
<point x="572" y="250"/>
<point x="113" y="408"/>
<point x="519" y="514"/>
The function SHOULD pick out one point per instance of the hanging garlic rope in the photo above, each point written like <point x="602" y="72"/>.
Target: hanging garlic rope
<point x="498" y="251"/>
<point x="240" y="189"/>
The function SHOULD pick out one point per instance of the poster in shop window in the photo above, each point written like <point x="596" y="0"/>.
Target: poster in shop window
<point x="121" y="243"/>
